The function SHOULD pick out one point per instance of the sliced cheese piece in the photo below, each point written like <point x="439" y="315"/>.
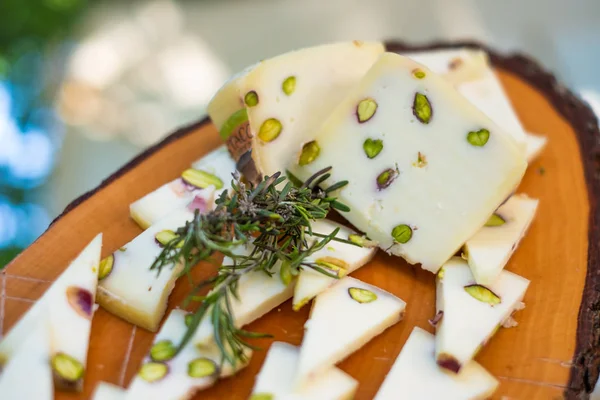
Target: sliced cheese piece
<point x="194" y="368"/>
<point x="276" y="379"/>
<point x="474" y="78"/>
<point x="68" y="304"/>
<point x="191" y="189"/>
<point x="28" y="374"/>
<point x="287" y="98"/>
<point x="346" y="256"/>
<point x="491" y="248"/>
<point x="416" y="376"/>
<point x="108" y="391"/>
<point x="131" y="290"/>
<point x="405" y="144"/>
<point x="534" y="144"/>
<point x="472" y="313"/>
<point x="342" y="320"/>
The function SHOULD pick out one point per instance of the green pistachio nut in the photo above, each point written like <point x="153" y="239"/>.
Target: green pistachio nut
<point x="269" y="130"/>
<point x="262" y="396"/>
<point x="251" y="98"/>
<point x="386" y="178"/>
<point x="418" y="73"/>
<point x="478" y="138"/>
<point x="422" y="108"/>
<point x="402" y="233"/>
<point x="67" y="367"/>
<point x="285" y="273"/>
<point x="202" y="368"/>
<point x="310" y="152"/>
<point x="201" y="179"/>
<point x="362" y="295"/>
<point x="289" y="85"/>
<point x="153" y="371"/>
<point x="361" y="241"/>
<point x="166" y="236"/>
<point x="163" y="350"/>
<point x="495" y="220"/>
<point x="372" y="147"/>
<point x="106" y="267"/>
<point x="366" y="109"/>
<point x="81" y="300"/>
<point x="340" y="267"/>
<point x="483" y="294"/>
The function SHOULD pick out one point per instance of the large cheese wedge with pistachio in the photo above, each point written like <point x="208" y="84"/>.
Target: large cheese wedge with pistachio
<point x="342" y="257"/>
<point x="415" y="375"/>
<point x="425" y="167"/>
<point x="285" y="99"/>
<point x="128" y="288"/>
<point x="28" y="374"/>
<point x="167" y="375"/>
<point x="492" y="246"/>
<point x="342" y="320"/>
<point x="68" y="305"/>
<point x="469" y="314"/>
<point x="108" y="391"/>
<point x="275" y="381"/>
<point x="197" y="188"/>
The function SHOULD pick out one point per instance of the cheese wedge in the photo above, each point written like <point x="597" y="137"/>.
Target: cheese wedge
<point x="472" y="313"/>
<point x="197" y="187"/>
<point x="342" y="320"/>
<point x="28" y="374"/>
<point x="108" y="391"/>
<point x="276" y="379"/>
<point x="474" y="78"/>
<point x="68" y="305"/>
<point x="490" y="249"/>
<point x="346" y="256"/>
<point x="416" y="376"/>
<point x="286" y="98"/>
<point x="534" y="144"/>
<point x="165" y="376"/>
<point x="128" y="288"/>
<point x="406" y="140"/>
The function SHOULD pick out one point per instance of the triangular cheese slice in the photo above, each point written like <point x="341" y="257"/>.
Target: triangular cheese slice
<point x="416" y="376"/>
<point x="69" y="305"/>
<point x="195" y="367"/>
<point x="128" y="288"/>
<point x="215" y="171"/>
<point x="108" y="391"/>
<point x="472" y="313"/>
<point x="28" y="374"/>
<point x="490" y="249"/>
<point x="287" y="97"/>
<point x="276" y="379"/>
<point x="342" y="320"/>
<point x="343" y="255"/>
<point x="534" y="144"/>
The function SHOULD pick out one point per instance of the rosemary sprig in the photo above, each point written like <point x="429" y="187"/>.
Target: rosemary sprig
<point x="275" y="216"/>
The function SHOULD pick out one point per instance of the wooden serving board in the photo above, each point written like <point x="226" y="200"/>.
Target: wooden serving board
<point x="551" y="354"/>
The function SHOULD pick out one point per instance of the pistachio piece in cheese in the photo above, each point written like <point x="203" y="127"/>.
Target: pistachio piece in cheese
<point x="472" y="312"/>
<point x="419" y="197"/>
<point x="276" y="379"/>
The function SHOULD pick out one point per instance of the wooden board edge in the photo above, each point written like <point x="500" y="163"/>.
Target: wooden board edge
<point x="586" y="361"/>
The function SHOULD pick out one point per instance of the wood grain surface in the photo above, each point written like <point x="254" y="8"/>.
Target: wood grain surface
<point x="534" y="360"/>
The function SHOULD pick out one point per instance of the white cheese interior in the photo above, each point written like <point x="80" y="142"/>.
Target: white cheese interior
<point x="28" y="374"/>
<point x="108" y="391"/>
<point x="177" y="384"/>
<point x="310" y="283"/>
<point x="276" y="378"/>
<point x="534" y="144"/>
<point x="176" y="194"/>
<point x="492" y="246"/>
<point x="422" y="197"/>
<point x="70" y="330"/>
<point x="468" y="323"/>
<point x="339" y="325"/>
<point x="415" y="375"/>
<point x="134" y="292"/>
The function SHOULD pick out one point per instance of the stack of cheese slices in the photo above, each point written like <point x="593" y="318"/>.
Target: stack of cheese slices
<point x="433" y="152"/>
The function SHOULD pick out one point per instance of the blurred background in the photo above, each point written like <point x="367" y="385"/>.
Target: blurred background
<point x="86" y="85"/>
